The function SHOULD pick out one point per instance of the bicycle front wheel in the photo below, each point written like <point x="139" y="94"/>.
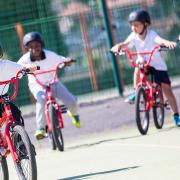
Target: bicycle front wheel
<point x="56" y="130"/>
<point x="158" y="110"/>
<point x="26" y="163"/>
<point x="4" y="173"/>
<point x="142" y="115"/>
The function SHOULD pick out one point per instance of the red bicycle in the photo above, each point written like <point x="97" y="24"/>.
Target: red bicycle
<point x="14" y="139"/>
<point x="148" y="93"/>
<point x="53" y="111"/>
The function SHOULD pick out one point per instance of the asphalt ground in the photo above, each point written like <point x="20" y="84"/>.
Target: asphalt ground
<point x="109" y="146"/>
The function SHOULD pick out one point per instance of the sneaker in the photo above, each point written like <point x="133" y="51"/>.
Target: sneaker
<point x="75" y="119"/>
<point x="177" y="120"/>
<point x="131" y="98"/>
<point x="40" y="134"/>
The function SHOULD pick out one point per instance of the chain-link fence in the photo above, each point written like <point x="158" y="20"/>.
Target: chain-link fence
<point x="76" y="29"/>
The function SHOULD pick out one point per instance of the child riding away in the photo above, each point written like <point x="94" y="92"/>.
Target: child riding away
<point x="144" y="39"/>
<point x="46" y="59"/>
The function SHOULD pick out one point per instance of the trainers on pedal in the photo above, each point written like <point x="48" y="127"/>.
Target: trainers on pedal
<point x="40" y="134"/>
<point x="131" y="98"/>
<point x="177" y="120"/>
<point x="75" y="119"/>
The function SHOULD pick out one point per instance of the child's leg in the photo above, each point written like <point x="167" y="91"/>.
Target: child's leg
<point x="40" y="115"/>
<point x="40" y="110"/>
<point x="62" y="93"/>
<point x="170" y="96"/>
<point x="136" y="77"/>
<point x="136" y="80"/>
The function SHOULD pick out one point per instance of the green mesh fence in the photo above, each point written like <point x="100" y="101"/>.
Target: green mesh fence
<point x="76" y="29"/>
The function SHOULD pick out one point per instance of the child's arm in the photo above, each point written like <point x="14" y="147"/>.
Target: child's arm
<point x="116" y="48"/>
<point x="165" y="42"/>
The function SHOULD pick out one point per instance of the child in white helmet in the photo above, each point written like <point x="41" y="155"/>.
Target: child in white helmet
<point x="144" y="39"/>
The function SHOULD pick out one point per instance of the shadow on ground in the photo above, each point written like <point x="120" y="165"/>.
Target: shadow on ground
<point x="86" y="176"/>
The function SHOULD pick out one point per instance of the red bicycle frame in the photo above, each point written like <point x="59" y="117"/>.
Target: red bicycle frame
<point x="49" y="96"/>
<point x="151" y="88"/>
<point x="7" y="117"/>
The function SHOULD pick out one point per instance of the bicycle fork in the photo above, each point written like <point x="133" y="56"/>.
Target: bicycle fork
<point x="8" y="141"/>
<point x="58" y="111"/>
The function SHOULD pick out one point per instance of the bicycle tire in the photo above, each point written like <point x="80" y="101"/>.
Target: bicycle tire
<point x="25" y="151"/>
<point x="51" y="140"/>
<point x="158" y="111"/>
<point x="4" y="173"/>
<point x="56" y="130"/>
<point x="140" y="106"/>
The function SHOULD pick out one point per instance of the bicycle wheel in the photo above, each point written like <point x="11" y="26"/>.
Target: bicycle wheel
<point x="51" y="140"/>
<point x="142" y="115"/>
<point x="4" y="173"/>
<point x="26" y="164"/>
<point x="158" y="110"/>
<point x="56" y="130"/>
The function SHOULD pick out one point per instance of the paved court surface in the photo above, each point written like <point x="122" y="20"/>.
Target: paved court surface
<point x="108" y="146"/>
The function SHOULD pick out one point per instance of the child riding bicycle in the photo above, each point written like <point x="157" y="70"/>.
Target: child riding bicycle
<point x="8" y="70"/>
<point x="46" y="59"/>
<point x="144" y="39"/>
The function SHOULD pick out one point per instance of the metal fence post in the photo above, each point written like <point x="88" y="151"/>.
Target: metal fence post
<point x="107" y="23"/>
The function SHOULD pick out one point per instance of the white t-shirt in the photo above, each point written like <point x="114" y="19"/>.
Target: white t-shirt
<point x="147" y="45"/>
<point x="8" y="70"/>
<point x="50" y="62"/>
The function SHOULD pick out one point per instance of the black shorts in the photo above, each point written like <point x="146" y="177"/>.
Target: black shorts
<point x="159" y="76"/>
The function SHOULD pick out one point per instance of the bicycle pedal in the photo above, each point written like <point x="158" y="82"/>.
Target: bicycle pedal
<point x="63" y="108"/>
<point x="166" y="105"/>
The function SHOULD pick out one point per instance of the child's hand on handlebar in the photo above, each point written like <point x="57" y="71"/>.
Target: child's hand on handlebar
<point x="115" y="49"/>
<point x="30" y="68"/>
<point x="68" y="61"/>
<point x="170" y="44"/>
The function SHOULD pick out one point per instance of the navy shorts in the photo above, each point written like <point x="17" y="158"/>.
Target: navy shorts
<point x="159" y="76"/>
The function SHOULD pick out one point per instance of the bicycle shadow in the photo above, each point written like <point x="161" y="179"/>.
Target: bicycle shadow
<point x="90" y="175"/>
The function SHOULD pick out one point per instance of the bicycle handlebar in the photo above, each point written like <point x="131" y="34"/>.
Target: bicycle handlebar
<point x="14" y="80"/>
<point x="55" y="70"/>
<point x="125" y="51"/>
<point x="131" y="54"/>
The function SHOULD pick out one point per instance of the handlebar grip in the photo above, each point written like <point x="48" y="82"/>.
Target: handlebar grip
<point x="163" y="48"/>
<point x="73" y="60"/>
<point x="27" y="70"/>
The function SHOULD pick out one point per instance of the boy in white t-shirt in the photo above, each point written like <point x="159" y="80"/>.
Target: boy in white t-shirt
<point x="46" y="59"/>
<point x="144" y="39"/>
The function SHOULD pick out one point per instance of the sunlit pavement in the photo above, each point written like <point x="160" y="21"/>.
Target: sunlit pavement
<point x="109" y="146"/>
<point x="124" y="154"/>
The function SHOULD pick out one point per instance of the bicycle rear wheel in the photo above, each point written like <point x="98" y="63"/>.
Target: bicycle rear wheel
<point x="56" y="130"/>
<point x="4" y="173"/>
<point x="26" y="164"/>
<point x="158" y="110"/>
<point x="142" y="115"/>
